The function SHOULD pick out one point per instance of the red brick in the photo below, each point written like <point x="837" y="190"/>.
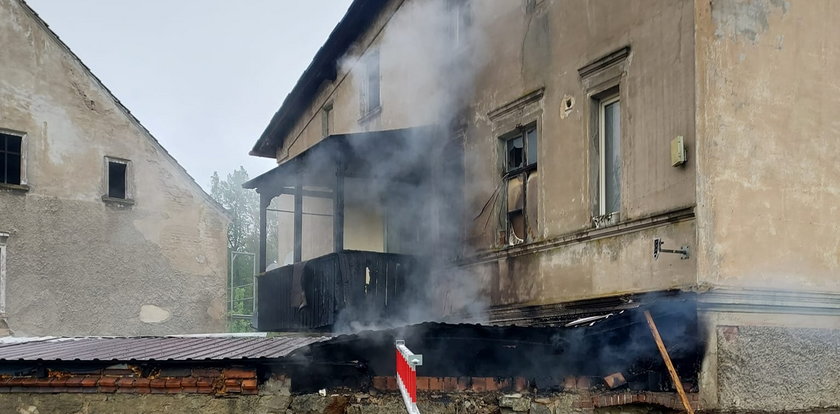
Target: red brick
<point x="139" y="390"/>
<point x="391" y="383"/>
<point x="173" y="383"/>
<point x="107" y="389"/>
<point x="569" y="383"/>
<point x="435" y="384"/>
<point x="89" y="381"/>
<point x="142" y="383"/>
<point x="58" y="382"/>
<point x="205" y="390"/>
<point x="125" y="382"/>
<point x="583" y="383"/>
<point x="231" y="382"/>
<point x="479" y="384"/>
<point x="520" y="384"/>
<point x="380" y="383"/>
<point x="107" y="381"/>
<point x="27" y="382"/>
<point x="204" y="382"/>
<point x="191" y="390"/>
<point x="173" y="390"/>
<point x="189" y="382"/>
<point x="74" y="382"/>
<point x="157" y="383"/>
<point x="450" y="384"/>
<point x="422" y="383"/>
<point x="503" y="383"/>
<point x="206" y="372"/>
<point x="240" y="373"/>
<point x="249" y="384"/>
<point x="464" y="383"/>
<point x="158" y="390"/>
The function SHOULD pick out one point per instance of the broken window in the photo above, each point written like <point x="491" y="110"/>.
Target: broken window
<point x="609" y="143"/>
<point x="370" y="92"/>
<point x="10" y="158"/>
<point x="521" y="184"/>
<point x="116" y="178"/>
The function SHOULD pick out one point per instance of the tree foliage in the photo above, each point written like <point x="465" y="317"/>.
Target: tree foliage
<point x="243" y="236"/>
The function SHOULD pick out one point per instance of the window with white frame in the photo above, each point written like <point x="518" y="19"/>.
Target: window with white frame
<point x="370" y="91"/>
<point x="117" y="179"/>
<point x="609" y="155"/>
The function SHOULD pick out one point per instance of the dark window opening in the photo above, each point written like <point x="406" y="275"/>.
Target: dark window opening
<point x="116" y="179"/>
<point x="10" y="158"/>
<point x="521" y="149"/>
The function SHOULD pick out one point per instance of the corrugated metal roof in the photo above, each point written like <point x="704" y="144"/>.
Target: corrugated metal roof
<point x="153" y="348"/>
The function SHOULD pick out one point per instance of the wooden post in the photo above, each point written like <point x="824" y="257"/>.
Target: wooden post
<point x="338" y="211"/>
<point x="668" y="363"/>
<point x="298" y="253"/>
<point x="265" y="200"/>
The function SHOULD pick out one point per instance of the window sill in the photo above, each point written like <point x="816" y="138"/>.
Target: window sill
<point x="14" y="188"/>
<point x="373" y="113"/>
<point x="606" y="220"/>
<point x="118" y="201"/>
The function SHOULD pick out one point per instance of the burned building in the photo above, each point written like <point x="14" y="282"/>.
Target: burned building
<point x="534" y="162"/>
<point x="102" y="232"/>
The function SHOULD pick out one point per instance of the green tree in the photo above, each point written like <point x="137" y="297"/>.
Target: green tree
<point x="243" y="236"/>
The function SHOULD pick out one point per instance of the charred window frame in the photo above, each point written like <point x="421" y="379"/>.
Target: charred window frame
<point x="118" y="186"/>
<point x="370" y="93"/>
<point x="12" y="159"/>
<point x="520" y="162"/>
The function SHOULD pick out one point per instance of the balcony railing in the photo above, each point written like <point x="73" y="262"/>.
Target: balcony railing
<point x="349" y="286"/>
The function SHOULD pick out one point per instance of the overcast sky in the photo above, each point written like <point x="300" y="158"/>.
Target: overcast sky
<point x="204" y="76"/>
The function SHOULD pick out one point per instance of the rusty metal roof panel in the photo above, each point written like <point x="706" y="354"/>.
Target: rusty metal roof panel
<point x="153" y="348"/>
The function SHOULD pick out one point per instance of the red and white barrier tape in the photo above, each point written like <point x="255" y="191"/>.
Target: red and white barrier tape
<point x="407" y="363"/>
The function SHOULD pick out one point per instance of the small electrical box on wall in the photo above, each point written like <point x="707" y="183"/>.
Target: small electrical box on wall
<point x="678" y="152"/>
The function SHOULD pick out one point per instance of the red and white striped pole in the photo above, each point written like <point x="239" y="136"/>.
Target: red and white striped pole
<point x="407" y="363"/>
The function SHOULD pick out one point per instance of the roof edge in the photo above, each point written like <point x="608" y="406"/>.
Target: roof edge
<point x="37" y="18"/>
<point x="359" y="16"/>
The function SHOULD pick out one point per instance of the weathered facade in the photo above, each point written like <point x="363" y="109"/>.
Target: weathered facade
<point x="102" y="231"/>
<point x="586" y="130"/>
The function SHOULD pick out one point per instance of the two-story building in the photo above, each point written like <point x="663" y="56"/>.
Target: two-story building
<point x="102" y="232"/>
<point x="530" y="162"/>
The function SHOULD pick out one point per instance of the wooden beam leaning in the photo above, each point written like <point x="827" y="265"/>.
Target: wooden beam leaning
<point x="668" y="363"/>
<point x="338" y="211"/>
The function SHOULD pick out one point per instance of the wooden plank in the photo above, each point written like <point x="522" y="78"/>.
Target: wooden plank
<point x="668" y="363"/>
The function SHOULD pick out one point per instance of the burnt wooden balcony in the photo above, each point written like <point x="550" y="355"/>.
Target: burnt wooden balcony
<point x="348" y="286"/>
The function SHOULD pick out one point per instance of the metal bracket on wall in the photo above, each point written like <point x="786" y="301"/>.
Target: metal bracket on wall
<point x="657" y="248"/>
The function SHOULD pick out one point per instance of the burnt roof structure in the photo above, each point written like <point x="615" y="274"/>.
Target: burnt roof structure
<point x="324" y="67"/>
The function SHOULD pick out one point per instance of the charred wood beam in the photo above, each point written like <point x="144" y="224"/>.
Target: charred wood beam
<point x="338" y="212"/>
